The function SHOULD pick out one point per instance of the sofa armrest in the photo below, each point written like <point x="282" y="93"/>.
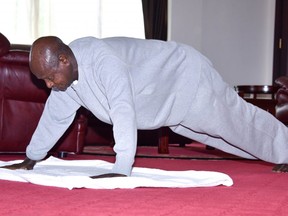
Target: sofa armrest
<point x="5" y="45"/>
<point x="281" y="109"/>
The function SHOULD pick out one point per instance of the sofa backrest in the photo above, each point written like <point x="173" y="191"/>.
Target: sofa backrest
<point x="22" y="97"/>
<point x="17" y="82"/>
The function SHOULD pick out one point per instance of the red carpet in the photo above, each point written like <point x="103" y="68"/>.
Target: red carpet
<point x="256" y="191"/>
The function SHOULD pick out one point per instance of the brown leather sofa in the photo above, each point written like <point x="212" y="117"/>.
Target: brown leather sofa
<point x="22" y="99"/>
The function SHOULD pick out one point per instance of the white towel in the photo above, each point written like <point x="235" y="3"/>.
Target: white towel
<point x="75" y="174"/>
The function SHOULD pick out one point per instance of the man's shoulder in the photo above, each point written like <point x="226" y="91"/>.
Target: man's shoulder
<point x="84" y="40"/>
<point x="84" y="47"/>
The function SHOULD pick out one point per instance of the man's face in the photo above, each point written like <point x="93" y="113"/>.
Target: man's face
<point x="58" y="79"/>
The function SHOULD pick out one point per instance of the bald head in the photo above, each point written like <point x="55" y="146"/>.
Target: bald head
<point x="45" y="52"/>
<point x="50" y="57"/>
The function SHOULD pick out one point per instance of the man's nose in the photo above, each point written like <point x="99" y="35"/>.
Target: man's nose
<point x="49" y="83"/>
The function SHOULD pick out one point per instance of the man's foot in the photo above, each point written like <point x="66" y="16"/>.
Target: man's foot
<point x="280" y="168"/>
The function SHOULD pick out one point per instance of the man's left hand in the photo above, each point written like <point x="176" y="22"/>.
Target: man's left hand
<point x="27" y="164"/>
<point x="108" y="175"/>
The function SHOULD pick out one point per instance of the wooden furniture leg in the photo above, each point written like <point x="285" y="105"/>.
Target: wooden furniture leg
<point x="163" y="143"/>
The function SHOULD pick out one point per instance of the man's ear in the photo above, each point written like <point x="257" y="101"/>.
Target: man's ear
<point x="63" y="58"/>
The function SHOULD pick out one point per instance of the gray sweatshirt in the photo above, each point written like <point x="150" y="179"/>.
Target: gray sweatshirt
<point x="129" y="83"/>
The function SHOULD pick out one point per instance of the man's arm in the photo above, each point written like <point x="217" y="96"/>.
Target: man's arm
<point x="27" y="164"/>
<point x="58" y="114"/>
<point x="115" y="80"/>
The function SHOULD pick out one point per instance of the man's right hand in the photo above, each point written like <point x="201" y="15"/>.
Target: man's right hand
<point x="27" y="164"/>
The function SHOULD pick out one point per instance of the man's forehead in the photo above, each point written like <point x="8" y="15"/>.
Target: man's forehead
<point x="39" y="68"/>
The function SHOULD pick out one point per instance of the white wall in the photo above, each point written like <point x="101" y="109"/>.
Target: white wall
<point x="236" y="35"/>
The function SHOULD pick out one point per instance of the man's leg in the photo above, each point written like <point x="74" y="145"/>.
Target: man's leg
<point x="244" y="129"/>
<point x="211" y="141"/>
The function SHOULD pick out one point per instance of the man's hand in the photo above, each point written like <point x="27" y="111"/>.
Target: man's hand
<point x="27" y="164"/>
<point x="281" y="168"/>
<point x="108" y="175"/>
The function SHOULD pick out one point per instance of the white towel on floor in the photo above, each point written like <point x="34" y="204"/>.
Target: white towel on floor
<point x="75" y="174"/>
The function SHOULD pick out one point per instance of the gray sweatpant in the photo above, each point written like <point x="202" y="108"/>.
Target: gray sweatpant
<point x="220" y="118"/>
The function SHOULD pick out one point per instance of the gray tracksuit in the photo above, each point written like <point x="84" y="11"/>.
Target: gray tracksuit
<point x="146" y="84"/>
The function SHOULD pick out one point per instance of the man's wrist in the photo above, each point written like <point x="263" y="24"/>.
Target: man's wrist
<point x="29" y="163"/>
